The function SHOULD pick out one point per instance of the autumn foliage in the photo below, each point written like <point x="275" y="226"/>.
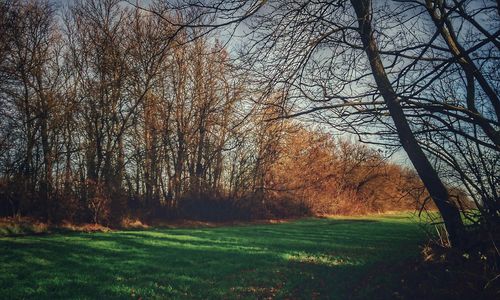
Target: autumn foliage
<point x="105" y="119"/>
<point x="334" y="176"/>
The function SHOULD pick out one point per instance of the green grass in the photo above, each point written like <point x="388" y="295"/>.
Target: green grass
<point x="310" y="258"/>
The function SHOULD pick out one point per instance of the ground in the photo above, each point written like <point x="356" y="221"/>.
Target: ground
<point x="327" y="258"/>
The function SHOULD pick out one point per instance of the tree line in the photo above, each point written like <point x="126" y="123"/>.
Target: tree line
<point x="421" y="75"/>
<point x="108" y="111"/>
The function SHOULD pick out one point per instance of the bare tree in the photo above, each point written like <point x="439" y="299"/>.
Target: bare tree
<point x="327" y="57"/>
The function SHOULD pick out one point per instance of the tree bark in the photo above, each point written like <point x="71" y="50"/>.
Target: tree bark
<point x="437" y="190"/>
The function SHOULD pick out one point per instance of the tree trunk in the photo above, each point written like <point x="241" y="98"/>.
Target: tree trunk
<point x="429" y="176"/>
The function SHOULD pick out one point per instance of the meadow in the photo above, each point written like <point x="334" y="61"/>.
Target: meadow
<point x="313" y="258"/>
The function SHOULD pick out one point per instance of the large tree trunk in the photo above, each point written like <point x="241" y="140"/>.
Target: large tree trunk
<point x="429" y="176"/>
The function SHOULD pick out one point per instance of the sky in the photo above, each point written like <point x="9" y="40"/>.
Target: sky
<point x="398" y="156"/>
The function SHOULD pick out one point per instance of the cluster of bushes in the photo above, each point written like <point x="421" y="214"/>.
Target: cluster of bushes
<point x="212" y="208"/>
<point x="334" y="176"/>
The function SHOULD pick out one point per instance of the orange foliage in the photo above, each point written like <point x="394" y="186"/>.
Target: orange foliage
<point x="333" y="176"/>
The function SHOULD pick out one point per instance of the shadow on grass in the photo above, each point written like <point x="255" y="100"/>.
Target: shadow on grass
<point x="303" y="259"/>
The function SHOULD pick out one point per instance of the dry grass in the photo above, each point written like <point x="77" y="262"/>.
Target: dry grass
<point x="184" y="223"/>
<point x="87" y="227"/>
<point x="28" y="226"/>
<point x="20" y="225"/>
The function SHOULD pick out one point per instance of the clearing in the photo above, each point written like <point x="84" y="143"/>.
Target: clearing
<point x="333" y="258"/>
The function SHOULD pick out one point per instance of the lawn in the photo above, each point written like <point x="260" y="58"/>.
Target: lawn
<point x="310" y="258"/>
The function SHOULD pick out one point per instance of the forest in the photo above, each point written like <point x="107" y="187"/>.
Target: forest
<point x="106" y="116"/>
<point x="115" y="112"/>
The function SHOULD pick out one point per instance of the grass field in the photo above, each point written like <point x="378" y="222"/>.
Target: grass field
<point x="305" y="259"/>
